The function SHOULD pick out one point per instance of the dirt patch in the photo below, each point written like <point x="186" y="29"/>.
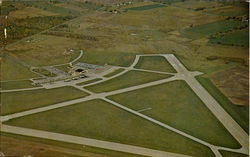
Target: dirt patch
<point x="234" y="84"/>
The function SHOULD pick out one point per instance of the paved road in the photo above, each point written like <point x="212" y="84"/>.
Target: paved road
<point x="89" y="142"/>
<point x="75" y="101"/>
<point x="182" y="74"/>
<point x="18" y="90"/>
<point x="237" y="132"/>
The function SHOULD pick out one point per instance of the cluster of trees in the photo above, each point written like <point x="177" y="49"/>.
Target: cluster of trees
<point x="20" y="28"/>
<point x="239" y="18"/>
<point x="221" y="34"/>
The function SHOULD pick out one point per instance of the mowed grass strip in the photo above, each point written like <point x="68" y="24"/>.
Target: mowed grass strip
<point x="175" y="104"/>
<point x="100" y="58"/>
<point x="156" y="63"/>
<point x="129" y="79"/>
<point x="17" y="85"/>
<point x="232" y="154"/>
<point x="88" y="82"/>
<point x="239" y="113"/>
<point x="13" y="102"/>
<point x="117" y="71"/>
<point x="100" y="120"/>
<point x="22" y="140"/>
<point x="146" y="7"/>
<point x="11" y="70"/>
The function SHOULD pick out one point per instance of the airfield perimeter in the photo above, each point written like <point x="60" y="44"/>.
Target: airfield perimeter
<point x="182" y="74"/>
<point x="164" y="79"/>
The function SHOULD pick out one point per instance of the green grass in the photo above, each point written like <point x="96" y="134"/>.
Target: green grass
<point x="146" y="7"/>
<point x="117" y="71"/>
<point x="17" y="85"/>
<point x="44" y="72"/>
<point x="215" y="27"/>
<point x="232" y="154"/>
<point x="11" y="70"/>
<point x="24" y="100"/>
<point x="239" y="113"/>
<point x="51" y="7"/>
<point x="131" y="78"/>
<point x="239" y="12"/>
<point x="88" y="82"/>
<point x="175" y="104"/>
<point x="157" y="63"/>
<point x="111" y="124"/>
<point x="240" y="38"/>
<point x="102" y="58"/>
<point x="110" y="153"/>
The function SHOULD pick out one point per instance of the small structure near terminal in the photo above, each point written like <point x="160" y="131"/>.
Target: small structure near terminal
<point x="85" y="66"/>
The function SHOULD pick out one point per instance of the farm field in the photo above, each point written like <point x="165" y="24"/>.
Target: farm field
<point x="220" y="26"/>
<point x="121" y="78"/>
<point x="146" y="7"/>
<point x="239" y="38"/>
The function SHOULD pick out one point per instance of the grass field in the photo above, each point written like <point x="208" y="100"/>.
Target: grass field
<point x="174" y="103"/>
<point x="146" y="7"/>
<point x="117" y="71"/>
<point x="24" y="13"/>
<point x="215" y="27"/>
<point x="239" y="38"/>
<point x="17" y="84"/>
<point x="102" y="58"/>
<point x="44" y="72"/>
<point x="112" y="124"/>
<point x="129" y="79"/>
<point x="239" y="113"/>
<point x="25" y="100"/>
<point x="157" y="63"/>
<point x="44" y="50"/>
<point x="11" y="70"/>
<point x="51" y="7"/>
<point x="39" y="146"/>
<point x="232" y="154"/>
<point x="88" y="82"/>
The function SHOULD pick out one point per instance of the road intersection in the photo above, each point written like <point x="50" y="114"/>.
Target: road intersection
<point x="182" y="74"/>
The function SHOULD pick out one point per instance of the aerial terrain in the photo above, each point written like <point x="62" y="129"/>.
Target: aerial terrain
<point x="124" y="78"/>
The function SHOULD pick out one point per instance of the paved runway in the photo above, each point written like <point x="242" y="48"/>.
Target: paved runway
<point x="182" y="74"/>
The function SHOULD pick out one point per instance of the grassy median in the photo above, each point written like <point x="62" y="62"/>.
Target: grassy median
<point x="17" y="85"/>
<point x="156" y="63"/>
<point x="100" y="120"/>
<point x="174" y="103"/>
<point x="24" y="100"/>
<point x="129" y="79"/>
